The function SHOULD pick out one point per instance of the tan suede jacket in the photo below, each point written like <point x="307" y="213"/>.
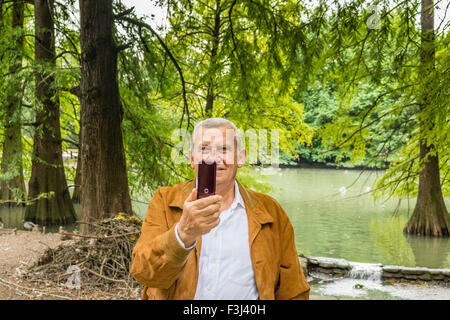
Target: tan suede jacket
<point x="169" y="271"/>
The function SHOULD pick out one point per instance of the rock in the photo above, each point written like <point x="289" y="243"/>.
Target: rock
<point x="391" y="269"/>
<point x="304" y="265"/>
<point x="391" y="275"/>
<point x="326" y="265"/>
<point x="438" y="277"/>
<point x="436" y="271"/>
<point x="410" y="276"/>
<point x="425" y="276"/>
<point x="416" y="271"/>
<point x="446" y="272"/>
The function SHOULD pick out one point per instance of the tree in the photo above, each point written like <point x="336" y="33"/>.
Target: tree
<point x="410" y="66"/>
<point x="234" y="51"/>
<point x="12" y="185"/>
<point x="104" y="182"/>
<point x="48" y="195"/>
<point x="430" y="216"/>
<point x="236" y="60"/>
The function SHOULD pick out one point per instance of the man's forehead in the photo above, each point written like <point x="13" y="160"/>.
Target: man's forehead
<point x="209" y="134"/>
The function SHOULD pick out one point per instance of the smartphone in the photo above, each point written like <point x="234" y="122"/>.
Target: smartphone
<point x="206" y="180"/>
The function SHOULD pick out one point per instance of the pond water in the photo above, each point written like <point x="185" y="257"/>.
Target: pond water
<point x="334" y="215"/>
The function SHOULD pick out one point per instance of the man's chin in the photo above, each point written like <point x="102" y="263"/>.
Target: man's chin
<point x="221" y="180"/>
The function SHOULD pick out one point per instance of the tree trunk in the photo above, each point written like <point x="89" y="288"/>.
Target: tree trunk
<point x="47" y="172"/>
<point x="430" y="216"/>
<point x="104" y="181"/>
<point x="12" y="187"/>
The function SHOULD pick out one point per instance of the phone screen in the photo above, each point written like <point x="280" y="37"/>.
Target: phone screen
<point x="206" y="180"/>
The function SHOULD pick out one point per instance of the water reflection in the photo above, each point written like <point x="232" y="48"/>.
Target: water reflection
<point x="14" y="218"/>
<point x="389" y="240"/>
<point x="429" y="252"/>
<point x="352" y="226"/>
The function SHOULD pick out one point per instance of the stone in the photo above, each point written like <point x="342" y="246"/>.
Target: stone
<point x="410" y="276"/>
<point x="340" y="271"/>
<point x="425" y="276"/>
<point x="391" y="269"/>
<point x="325" y="270"/>
<point x="312" y="260"/>
<point x="332" y="262"/>
<point x="416" y="271"/>
<point x="436" y="271"/>
<point x="304" y="265"/>
<point x="438" y="277"/>
<point x="390" y="275"/>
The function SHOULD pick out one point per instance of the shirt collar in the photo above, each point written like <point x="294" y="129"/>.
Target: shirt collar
<point x="237" y="197"/>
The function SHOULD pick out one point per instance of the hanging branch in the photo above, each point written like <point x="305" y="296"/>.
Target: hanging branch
<point x="141" y="24"/>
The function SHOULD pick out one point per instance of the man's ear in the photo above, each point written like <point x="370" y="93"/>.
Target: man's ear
<point x="241" y="158"/>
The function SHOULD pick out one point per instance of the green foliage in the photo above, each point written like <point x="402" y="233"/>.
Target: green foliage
<point x="339" y="92"/>
<point x="380" y="84"/>
<point x="246" y="66"/>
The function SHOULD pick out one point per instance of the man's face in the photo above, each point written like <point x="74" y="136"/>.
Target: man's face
<point x="217" y="144"/>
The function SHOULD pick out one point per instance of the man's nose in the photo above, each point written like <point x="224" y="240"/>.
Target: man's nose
<point x="214" y="155"/>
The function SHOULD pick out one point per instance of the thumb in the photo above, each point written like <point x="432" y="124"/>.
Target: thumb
<point x="192" y="196"/>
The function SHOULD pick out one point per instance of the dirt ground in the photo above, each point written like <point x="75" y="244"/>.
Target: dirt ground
<point x="19" y="250"/>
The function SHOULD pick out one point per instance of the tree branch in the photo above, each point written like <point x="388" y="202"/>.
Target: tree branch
<point x="123" y="46"/>
<point x="172" y="58"/>
<point x="123" y="14"/>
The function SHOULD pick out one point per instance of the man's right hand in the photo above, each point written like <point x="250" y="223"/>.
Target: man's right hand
<point x="199" y="217"/>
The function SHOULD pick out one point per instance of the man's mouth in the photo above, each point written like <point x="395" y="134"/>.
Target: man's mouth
<point x="220" y="169"/>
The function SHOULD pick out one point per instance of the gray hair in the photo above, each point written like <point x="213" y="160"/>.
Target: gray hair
<point x="214" y="123"/>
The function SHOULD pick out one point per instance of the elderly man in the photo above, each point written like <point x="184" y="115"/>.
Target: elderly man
<point x="237" y="244"/>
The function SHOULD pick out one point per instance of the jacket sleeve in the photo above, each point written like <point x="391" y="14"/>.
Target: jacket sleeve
<point x="292" y="284"/>
<point x="158" y="257"/>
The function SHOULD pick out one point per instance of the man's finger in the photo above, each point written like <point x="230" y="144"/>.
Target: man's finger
<point x="204" y="202"/>
<point x="192" y="196"/>
<point x="212" y="223"/>
<point x="209" y="210"/>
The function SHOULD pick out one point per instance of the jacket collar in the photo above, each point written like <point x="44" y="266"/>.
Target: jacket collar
<point x="253" y="203"/>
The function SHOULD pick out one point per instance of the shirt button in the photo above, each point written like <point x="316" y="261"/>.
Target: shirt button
<point x="214" y="260"/>
<point x="215" y="233"/>
<point x="209" y="288"/>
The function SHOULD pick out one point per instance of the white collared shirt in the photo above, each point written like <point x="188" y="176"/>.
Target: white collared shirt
<point x="225" y="267"/>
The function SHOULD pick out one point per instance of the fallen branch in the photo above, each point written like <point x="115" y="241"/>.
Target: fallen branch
<point x="97" y="237"/>
<point x="16" y="286"/>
